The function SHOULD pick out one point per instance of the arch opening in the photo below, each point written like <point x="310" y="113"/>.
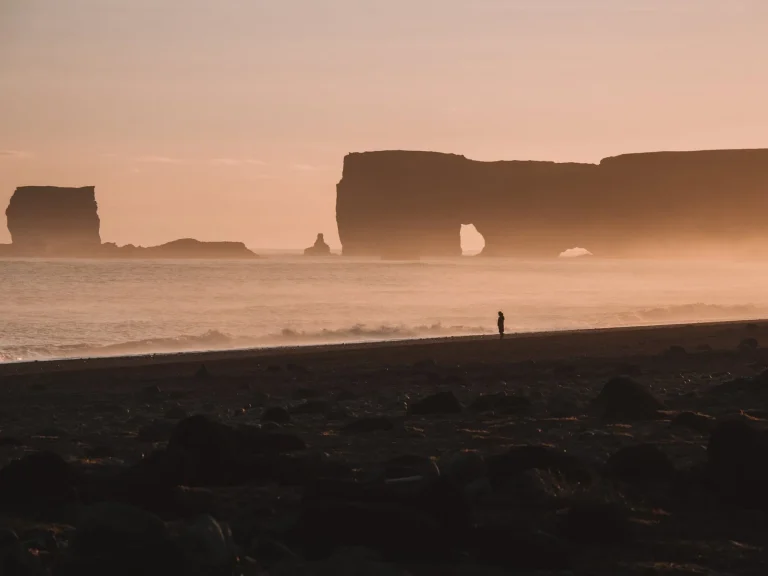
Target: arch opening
<point x="472" y="242"/>
<point x="575" y="252"/>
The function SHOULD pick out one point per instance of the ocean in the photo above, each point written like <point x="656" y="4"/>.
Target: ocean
<point x="83" y="308"/>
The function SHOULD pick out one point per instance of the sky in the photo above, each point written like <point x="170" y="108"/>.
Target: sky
<point x="229" y="120"/>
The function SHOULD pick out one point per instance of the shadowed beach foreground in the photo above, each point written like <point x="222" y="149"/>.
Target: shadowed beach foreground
<point x="627" y="451"/>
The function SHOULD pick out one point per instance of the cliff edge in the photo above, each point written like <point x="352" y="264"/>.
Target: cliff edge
<point x="642" y="205"/>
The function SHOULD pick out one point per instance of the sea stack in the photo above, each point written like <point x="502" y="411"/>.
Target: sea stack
<point x="54" y="221"/>
<point x="319" y="248"/>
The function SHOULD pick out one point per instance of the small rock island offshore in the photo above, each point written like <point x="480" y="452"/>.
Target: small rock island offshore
<point x="54" y="222"/>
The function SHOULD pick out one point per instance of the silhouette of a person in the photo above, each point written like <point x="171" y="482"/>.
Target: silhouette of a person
<point x="500" y="324"/>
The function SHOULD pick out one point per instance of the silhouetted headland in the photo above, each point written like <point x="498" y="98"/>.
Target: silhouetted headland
<point x="660" y="204"/>
<point x="55" y="222"/>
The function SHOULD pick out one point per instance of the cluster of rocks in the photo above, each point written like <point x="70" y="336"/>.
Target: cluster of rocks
<point x="530" y="507"/>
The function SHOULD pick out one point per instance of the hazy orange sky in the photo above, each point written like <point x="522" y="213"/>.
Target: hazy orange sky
<point x="229" y="120"/>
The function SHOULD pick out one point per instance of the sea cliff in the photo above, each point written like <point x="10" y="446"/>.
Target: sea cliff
<point x="643" y="205"/>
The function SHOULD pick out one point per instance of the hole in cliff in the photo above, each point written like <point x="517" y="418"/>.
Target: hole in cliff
<point x="575" y="253"/>
<point x="472" y="242"/>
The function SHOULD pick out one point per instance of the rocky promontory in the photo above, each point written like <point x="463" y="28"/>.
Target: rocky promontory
<point x="51" y="222"/>
<point x="644" y="205"/>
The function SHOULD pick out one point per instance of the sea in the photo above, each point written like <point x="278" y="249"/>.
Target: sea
<point x="52" y="309"/>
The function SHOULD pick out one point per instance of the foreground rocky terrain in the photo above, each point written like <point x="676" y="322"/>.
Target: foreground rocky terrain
<point x="613" y="452"/>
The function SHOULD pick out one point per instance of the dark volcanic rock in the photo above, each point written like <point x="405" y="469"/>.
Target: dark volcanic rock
<point x="312" y="407"/>
<point x="521" y="458"/>
<point x="319" y="248"/>
<point x="37" y="485"/>
<point x="463" y="467"/>
<point x="625" y="399"/>
<point x="404" y="521"/>
<point x="409" y="466"/>
<point x="641" y="463"/>
<point x="276" y="414"/>
<point x="597" y="523"/>
<point x="737" y="460"/>
<point x="209" y="453"/>
<point x="695" y="421"/>
<point x="206" y="546"/>
<point x="176" y="413"/>
<point x="538" y="209"/>
<point x="676" y="352"/>
<point x="113" y="538"/>
<point x="748" y="345"/>
<point x="440" y="403"/>
<point x="516" y="550"/>
<point x="368" y="425"/>
<point x="500" y="402"/>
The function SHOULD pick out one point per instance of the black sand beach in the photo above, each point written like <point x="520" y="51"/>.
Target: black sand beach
<point x="621" y="451"/>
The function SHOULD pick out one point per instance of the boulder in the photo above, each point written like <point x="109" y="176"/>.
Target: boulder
<point x="37" y="486"/>
<point x="500" y="402"/>
<point x="696" y="421"/>
<point x="748" y="345"/>
<point x="210" y="453"/>
<point x="310" y="407"/>
<point x="737" y="463"/>
<point x="436" y="404"/>
<point x="405" y="521"/>
<point x="113" y="538"/>
<point x="517" y="550"/>
<point x="276" y="414"/>
<point x="624" y="399"/>
<point x="463" y="466"/>
<point x="597" y="524"/>
<point x="519" y="459"/>
<point x="640" y="464"/>
<point x="206" y="547"/>
<point x="368" y="425"/>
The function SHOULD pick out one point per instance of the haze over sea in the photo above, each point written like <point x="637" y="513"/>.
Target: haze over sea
<point x="82" y="308"/>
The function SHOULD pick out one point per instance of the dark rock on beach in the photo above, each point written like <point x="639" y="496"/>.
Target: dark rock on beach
<point x="624" y="399"/>
<point x="440" y="403"/>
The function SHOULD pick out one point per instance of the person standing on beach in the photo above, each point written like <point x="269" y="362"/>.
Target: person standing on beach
<point x="500" y="324"/>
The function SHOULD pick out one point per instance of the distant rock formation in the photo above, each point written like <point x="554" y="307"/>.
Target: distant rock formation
<point x="647" y="205"/>
<point x="53" y="221"/>
<point x="184" y="248"/>
<point x="319" y="248"/>
<point x="50" y="222"/>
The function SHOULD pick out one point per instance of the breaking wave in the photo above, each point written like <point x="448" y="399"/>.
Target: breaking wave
<point x="212" y="340"/>
<point x="216" y="340"/>
<point x="697" y="312"/>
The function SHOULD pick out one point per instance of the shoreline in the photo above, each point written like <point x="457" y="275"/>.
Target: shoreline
<point x="527" y="341"/>
<point x="560" y="445"/>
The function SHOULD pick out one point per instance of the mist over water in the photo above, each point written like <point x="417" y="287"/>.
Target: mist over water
<point x="58" y="309"/>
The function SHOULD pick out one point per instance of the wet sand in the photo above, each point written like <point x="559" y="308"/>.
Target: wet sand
<point x="355" y="409"/>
